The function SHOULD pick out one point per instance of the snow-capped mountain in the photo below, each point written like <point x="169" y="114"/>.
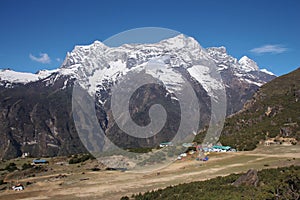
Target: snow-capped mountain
<point x="107" y="63"/>
<point x="48" y="120"/>
<point x="243" y="69"/>
<point x="9" y="77"/>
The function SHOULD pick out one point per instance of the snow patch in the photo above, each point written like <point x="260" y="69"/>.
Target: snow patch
<point x="267" y="72"/>
<point x="20" y="77"/>
<point x="202" y="75"/>
<point x="111" y="73"/>
<point x="171" y="79"/>
<point x="253" y="82"/>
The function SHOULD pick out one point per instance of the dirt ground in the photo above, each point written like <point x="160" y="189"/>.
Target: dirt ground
<point x="115" y="184"/>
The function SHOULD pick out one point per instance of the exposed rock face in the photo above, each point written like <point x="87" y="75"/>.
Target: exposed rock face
<point x="250" y="179"/>
<point x="37" y="119"/>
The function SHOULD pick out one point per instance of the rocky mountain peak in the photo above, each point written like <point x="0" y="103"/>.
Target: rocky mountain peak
<point x="180" y="41"/>
<point x="248" y="64"/>
<point x="220" y="50"/>
<point x="220" y="56"/>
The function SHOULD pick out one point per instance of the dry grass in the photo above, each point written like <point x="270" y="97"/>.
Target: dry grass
<point x="114" y="184"/>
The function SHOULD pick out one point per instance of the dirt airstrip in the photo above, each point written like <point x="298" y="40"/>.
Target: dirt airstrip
<point x="79" y="183"/>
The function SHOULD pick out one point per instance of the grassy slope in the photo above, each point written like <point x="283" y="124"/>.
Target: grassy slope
<point x="280" y="183"/>
<point x="245" y="129"/>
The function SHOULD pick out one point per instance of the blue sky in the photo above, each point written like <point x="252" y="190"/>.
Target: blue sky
<point x="37" y="34"/>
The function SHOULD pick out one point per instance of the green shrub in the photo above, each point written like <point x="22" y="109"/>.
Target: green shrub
<point x="95" y="169"/>
<point x="11" y="167"/>
<point x="26" y="166"/>
<point x="81" y="158"/>
<point x="140" y="150"/>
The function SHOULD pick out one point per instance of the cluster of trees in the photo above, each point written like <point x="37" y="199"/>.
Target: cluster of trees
<point x="280" y="183"/>
<point x="26" y="166"/>
<point x="140" y="150"/>
<point x="81" y="158"/>
<point x="11" y="167"/>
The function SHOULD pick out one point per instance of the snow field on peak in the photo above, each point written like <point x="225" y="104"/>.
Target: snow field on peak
<point x="22" y="77"/>
<point x="202" y="75"/>
<point x="267" y="72"/>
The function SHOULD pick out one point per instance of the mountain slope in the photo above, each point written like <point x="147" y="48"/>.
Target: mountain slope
<point x="284" y="180"/>
<point x="273" y="111"/>
<point x="36" y="114"/>
<point x="37" y="119"/>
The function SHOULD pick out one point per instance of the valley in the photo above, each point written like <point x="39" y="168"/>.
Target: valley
<point x="149" y="100"/>
<point x="78" y="181"/>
